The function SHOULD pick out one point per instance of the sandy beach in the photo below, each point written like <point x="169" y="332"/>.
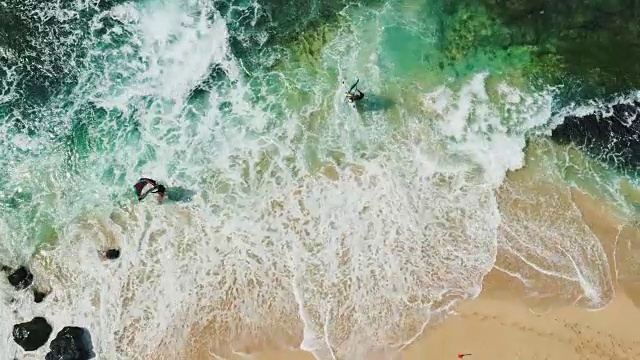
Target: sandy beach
<point x="493" y="327"/>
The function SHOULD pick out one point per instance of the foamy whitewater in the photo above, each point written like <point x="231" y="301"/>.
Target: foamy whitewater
<point x="351" y="228"/>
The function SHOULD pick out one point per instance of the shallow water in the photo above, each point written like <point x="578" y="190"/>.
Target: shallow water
<point x="352" y="226"/>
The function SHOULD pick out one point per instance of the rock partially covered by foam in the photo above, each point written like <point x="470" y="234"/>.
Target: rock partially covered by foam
<point x="21" y="278"/>
<point x="38" y="296"/>
<point x="611" y="134"/>
<point x="33" y="334"/>
<point x="112" y="254"/>
<point x="71" y="343"/>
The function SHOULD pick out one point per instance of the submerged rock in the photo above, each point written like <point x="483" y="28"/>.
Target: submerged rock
<point x="38" y="296"/>
<point x="611" y="134"/>
<point x="33" y="334"/>
<point x="21" y="278"/>
<point x="71" y="343"/>
<point x="112" y="254"/>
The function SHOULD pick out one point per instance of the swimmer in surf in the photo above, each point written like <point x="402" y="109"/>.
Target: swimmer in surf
<point x="354" y="94"/>
<point x="146" y="186"/>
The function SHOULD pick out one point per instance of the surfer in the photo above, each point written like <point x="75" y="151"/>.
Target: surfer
<point x="146" y="186"/>
<point x="354" y="94"/>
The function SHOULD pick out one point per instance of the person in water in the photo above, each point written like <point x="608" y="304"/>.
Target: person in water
<point x="146" y="186"/>
<point x="354" y="94"/>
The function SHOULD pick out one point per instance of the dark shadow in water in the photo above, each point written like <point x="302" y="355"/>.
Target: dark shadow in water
<point x="372" y="102"/>
<point x="180" y="194"/>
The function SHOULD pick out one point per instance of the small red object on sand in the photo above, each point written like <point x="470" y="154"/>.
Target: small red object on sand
<point x="460" y="356"/>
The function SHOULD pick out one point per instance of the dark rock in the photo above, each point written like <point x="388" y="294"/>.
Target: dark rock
<point x="71" y="343"/>
<point x="112" y="254"/>
<point x="33" y="334"/>
<point x="38" y="296"/>
<point x="611" y="134"/>
<point x="21" y="278"/>
<point x="5" y="268"/>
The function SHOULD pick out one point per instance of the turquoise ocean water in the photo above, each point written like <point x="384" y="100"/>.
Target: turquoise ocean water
<point x="286" y="205"/>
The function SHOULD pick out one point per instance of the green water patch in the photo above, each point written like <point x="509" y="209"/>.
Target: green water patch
<point x="437" y="45"/>
<point x="474" y="39"/>
<point x="306" y="46"/>
<point x="595" y="43"/>
<point x="418" y="42"/>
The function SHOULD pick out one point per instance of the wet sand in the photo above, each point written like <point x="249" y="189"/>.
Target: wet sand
<point x="492" y="328"/>
<point x="497" y="328"/>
